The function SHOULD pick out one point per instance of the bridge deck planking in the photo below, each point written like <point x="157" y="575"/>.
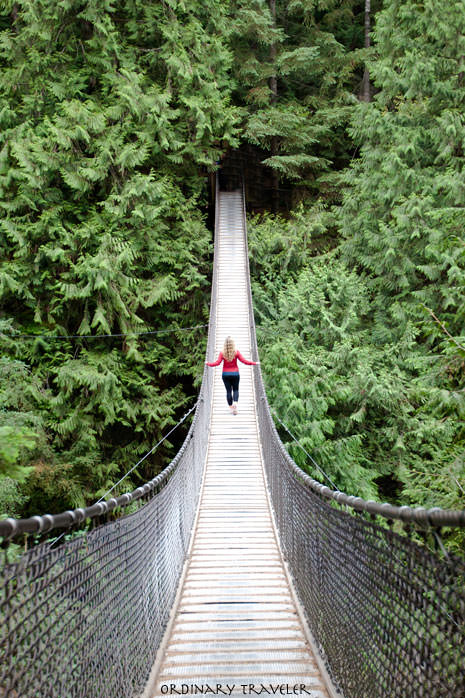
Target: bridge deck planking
<point x="236" y="621"/>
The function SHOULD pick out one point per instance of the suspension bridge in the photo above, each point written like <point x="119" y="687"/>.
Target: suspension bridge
<point x="232" y="572"/>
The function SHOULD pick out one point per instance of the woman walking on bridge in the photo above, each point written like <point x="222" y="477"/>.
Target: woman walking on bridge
<point x="230" y="376"/>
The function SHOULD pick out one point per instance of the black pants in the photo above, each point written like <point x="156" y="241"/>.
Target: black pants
<point x="231" y="383"/>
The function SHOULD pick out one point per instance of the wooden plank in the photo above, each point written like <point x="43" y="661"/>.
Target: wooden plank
<point x="180" y="656"/>
<point x="255" y="584"/>
<point x="245" y="643"/>
<point x="259" y="669"/>
<point x="242" y="635"/>
<point x="188" y="624"/>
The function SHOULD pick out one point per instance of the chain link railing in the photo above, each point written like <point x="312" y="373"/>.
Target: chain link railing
<point x="83" y="616"/>
<point x="387" y="614"/>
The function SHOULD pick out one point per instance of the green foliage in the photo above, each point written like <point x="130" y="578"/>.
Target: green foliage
<point x="356" y="405"/>
<point x="13" y="443"/>
<point x="12" y="500"/>
<point x="22" y="432"/>
<point x="313" y="57"/>
<point x="113" y="112"/>
<point x="403" y="219"/>
<point x="360" y="307"/>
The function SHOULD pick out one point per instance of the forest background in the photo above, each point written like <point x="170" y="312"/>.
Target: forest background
<point x="112" y="115"/>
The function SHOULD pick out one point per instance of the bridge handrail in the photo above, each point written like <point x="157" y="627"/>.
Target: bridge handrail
<point x="11" y="528"/>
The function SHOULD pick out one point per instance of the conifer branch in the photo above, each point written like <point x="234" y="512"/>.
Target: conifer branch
<point x="443" y="327"/>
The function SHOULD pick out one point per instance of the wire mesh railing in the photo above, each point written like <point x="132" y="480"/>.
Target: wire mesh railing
<point x="387" y="614"/>
<point x="83" y="617"/>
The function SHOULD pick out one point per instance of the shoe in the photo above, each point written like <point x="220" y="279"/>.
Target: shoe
<point x="234" y="408"/>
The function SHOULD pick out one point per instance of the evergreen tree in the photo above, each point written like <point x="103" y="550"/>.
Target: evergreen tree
<point x="360" y="308"/>
<point x="351" y="401"/>
<point x="404" y="214"/>
<point x="112" y="114"/>
<point x="295" y="72"/>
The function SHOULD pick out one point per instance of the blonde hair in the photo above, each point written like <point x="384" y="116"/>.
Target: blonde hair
<point x="229" y="349"/>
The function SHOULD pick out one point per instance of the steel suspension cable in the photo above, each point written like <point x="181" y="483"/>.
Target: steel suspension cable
<point x="149" y="453"/>
<point x="304" y="450"/>
<point x="169" y="330"/>
<point x="152" y="450"/>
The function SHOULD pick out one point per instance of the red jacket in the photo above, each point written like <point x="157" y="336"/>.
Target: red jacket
<point x="231" y="366"/>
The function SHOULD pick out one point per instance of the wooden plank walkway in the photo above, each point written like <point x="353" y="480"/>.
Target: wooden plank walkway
<point x="235" y="622"/>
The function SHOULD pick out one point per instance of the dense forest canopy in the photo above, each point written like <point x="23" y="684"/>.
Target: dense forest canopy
<point x="111" y="112"/>
<point x="112" y="116"/>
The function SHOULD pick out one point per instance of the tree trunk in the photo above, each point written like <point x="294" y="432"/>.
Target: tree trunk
<point x="274" y="99"/>
<point x="273" y="54"/>
<point x="14" y="17"/>
<point x="366" y="95"/>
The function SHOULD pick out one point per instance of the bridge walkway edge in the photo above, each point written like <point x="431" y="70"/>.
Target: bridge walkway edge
<point x="236" y="619"/>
